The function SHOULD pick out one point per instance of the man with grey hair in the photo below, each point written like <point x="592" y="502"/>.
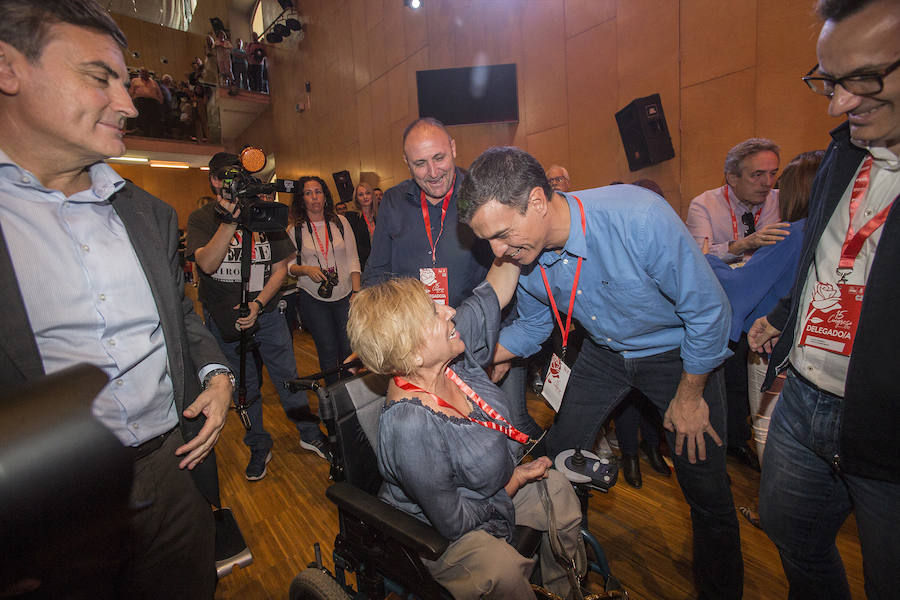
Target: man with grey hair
<point x="116" y="301"/>
<point x="832" y="443"/>
<point x="620" y="261"/>
<point x="559" y="178"/>
<point x="742" y="215"/>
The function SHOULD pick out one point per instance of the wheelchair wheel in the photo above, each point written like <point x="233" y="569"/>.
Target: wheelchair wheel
<point x="315" y="584"/>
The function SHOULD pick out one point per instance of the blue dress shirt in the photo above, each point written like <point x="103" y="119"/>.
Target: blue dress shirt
<point x="645" y="287"/>
<point x="87" y="297"/>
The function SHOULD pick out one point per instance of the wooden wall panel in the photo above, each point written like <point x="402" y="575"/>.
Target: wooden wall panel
<point x="594" y="146"/>
<point x="796" y="118"/>
<point x="715" y="115"/>
<point x="180" y="188"/>
<point x="581" y="15"/>
<point x="724" y="71"/>
<point x="717" y="38"/>
<point x="543" y="35"/>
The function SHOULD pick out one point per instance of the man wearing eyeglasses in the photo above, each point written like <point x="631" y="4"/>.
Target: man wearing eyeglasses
<point x="559" y="178"/>
<point x="742" y="215"/>
<point x="831" y="443"/>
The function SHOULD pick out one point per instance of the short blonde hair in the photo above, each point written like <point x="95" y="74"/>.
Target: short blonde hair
<point x="386" y="325"/>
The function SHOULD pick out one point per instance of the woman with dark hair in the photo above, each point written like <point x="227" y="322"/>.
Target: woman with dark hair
<point x="362" y="220"/>
<point x="756" y="287"/>
<point x="327" y="270"/>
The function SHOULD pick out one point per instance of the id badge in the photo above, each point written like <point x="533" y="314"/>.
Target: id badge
<point x="832" y="317"/>
<point x="556" y="381"/>
<point x="436" y="283"/>
<point x="257" y="277"/>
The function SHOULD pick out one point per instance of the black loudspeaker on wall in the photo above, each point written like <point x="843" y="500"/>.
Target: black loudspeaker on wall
<point x="344" y="185"/>
<point x="645" y="135"/>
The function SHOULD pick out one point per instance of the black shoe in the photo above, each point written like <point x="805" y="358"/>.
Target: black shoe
<point x="631" y="470"/>
<point x="655" y="459"/>
<point x="320" y="446"/>
<point x="256" y="468"/>
<point x="744" y="455"/>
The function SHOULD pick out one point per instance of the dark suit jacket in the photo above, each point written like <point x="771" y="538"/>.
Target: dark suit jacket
<point x="152" y="226"/>
<point x="871" y="417"/>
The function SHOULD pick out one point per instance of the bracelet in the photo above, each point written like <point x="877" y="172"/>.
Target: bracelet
<point x="261" y="305"/>
<point x="215" y="372"/>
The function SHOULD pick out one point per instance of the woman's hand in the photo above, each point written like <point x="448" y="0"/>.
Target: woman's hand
<point x="526" y="473"/>
<point x="314" y="273"/>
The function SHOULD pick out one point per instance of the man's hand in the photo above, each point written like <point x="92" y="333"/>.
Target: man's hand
<point x="499" y="371"/>
<point x="213" y="402"/>
<point x="248" y="321"/>
<point x="688" y="417"/>
<point x="765" y="236"/>
<point x="229" y="206"/>
<point x="762" y="337"/>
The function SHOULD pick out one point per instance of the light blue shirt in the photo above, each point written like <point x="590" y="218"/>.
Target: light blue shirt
<point x="87" y="297"/>
<point x="645" y="288"/>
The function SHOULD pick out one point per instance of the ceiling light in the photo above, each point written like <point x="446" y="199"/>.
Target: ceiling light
<point x="204" y="168"/>
<point x="169" y="164"/>
<point x="130" y="159"/>
<point x="413" y="4"/>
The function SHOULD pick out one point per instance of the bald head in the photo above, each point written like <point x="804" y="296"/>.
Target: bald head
<point x="430" y="154"/>
<point x="558" y="178"/>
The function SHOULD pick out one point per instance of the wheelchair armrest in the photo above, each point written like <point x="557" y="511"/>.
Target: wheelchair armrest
<point x="419" y="537"/>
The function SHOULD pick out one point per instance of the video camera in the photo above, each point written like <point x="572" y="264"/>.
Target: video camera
<point x="241" y="187"/>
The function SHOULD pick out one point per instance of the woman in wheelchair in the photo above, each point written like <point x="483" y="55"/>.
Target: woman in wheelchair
<point x="447" y="454"/>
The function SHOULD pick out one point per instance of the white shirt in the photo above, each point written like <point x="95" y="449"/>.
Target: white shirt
<point x="709" y="216"/>
<point x="342" y="255"/>
<point x="828" y="370"/>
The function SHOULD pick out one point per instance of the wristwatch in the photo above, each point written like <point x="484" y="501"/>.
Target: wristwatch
<point x="215" y="372"/>
<point x="261" y="305"/>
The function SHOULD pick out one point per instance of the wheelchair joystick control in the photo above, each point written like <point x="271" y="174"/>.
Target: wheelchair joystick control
<point x="578" y="459"/>
<point x="581" y="466"/>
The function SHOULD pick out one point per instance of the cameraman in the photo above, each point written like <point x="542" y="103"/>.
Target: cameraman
<point x="216" y="248"/>
<point x="327" y="270"/>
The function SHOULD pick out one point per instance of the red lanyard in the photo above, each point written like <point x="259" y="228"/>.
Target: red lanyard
<point x="370" y="224"/>
<point x="427" y="220"/>
<point x="734" y="228"/>
<point x="853" y="241"/>
<point x="565" y="330"/>
<point x="318" y="241"/>
<point x="507" y="430"/>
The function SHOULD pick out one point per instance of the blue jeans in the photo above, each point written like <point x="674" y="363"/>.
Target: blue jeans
<point x="804" y="499"/>
<point x="630" y="419"/>
<point x="513" y="385"/>
<point x="600" y="380"/>
<point x="277" y="351"/>
<point x="327" y="322"/>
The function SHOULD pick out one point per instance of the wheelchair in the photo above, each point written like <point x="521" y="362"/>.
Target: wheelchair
<point x="380" y="544"/>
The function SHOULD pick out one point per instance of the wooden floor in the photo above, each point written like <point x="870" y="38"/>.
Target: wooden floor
<point x="645" y="533"/>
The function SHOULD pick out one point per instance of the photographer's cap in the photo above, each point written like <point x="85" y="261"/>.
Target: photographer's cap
<point x="221" y="160"/>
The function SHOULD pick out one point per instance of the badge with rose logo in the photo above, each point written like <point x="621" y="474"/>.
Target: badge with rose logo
<point x="832" y="317"/>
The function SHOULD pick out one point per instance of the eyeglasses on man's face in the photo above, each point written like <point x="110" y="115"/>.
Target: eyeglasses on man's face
<point x="861" y="84"/>
<point x="558" y="179"/>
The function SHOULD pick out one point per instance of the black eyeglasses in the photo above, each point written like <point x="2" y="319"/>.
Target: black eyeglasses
<point x="862" y="84"/>
<point x="749" y="223"/>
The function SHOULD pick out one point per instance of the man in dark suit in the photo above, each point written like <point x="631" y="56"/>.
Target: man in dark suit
<point x="89" y="272"/>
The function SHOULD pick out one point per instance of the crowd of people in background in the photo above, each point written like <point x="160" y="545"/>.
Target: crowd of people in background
<point x="178" y="110"/>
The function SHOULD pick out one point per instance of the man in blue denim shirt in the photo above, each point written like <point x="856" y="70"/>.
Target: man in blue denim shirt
<point x="657" y="320"/>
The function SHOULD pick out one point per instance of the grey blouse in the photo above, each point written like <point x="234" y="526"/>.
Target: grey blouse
<point x="449" y="471"/>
